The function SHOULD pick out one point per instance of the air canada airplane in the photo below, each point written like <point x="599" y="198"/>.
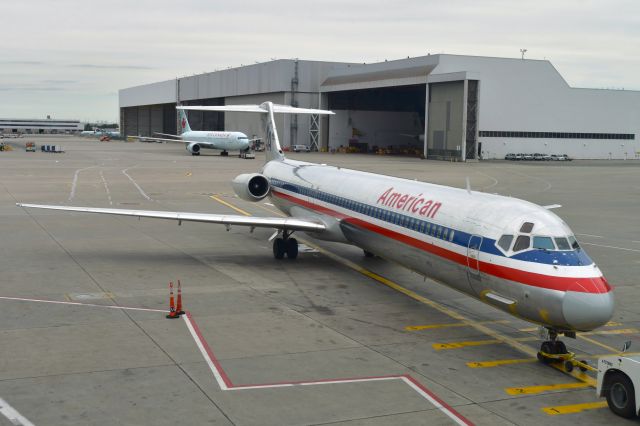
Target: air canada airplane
<point x="195" y="140"/>
<point x="509" y="253"/>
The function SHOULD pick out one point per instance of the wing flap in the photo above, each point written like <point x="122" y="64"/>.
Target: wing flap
<point x="288" y="223"/>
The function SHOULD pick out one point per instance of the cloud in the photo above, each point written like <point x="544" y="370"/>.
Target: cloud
<point x="115" y="67"/>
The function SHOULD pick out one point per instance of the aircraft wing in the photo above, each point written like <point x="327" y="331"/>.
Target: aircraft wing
<point x="152" y="139"/>
<point x="286" y="223"/>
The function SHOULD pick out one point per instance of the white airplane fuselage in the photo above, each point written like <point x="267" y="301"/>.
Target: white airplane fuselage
<point x="224" y="141"/>
<point x="452" y="235"/>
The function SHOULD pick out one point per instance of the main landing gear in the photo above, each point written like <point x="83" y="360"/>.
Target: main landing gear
<point x="224" y="154"/>
<point x="554" y="350"/>
<point x="285" y="245"/>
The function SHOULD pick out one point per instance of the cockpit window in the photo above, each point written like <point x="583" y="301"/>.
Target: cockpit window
<point x="505" y="242"/>
<point x="573" y="242"/>
<point x="243" y="138"/>
<point x="522" y="243"/>
<point x="562" y="243"/>
<point x="545" y="243"/>
<point x="526" y="227"/>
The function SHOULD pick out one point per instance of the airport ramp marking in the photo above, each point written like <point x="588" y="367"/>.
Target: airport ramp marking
<point x="226" y="384"/>
<point x="574" y="408"/>
<point x="499" y="362"/>
<point x="449" y="325"/>
<point x="13" y="415"/>
<point x="231" y="206"/>
<point x="91" y="305"/>
<point x="106" y="187"/>
<point x="74" y="183"/>
<point x="140" y="190"/>
<point x="532" y="390"/>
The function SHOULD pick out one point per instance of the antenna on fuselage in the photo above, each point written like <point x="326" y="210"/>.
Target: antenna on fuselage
<point x="468" y="185"/>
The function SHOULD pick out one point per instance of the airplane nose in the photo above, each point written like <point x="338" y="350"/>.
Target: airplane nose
<point x="586" y="311"/>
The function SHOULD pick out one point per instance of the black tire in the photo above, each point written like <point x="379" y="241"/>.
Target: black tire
<point x="547" y="347"/>
<point x="368" y="254"/>
<point x="560" y="347"/>
<point x="279" y="248"/>
<point x="621" y="395"/>
<point x="568" y="366"/>
<point x="292" y="248"/>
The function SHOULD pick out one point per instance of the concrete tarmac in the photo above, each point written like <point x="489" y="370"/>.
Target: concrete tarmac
<point x="266" y="321"/>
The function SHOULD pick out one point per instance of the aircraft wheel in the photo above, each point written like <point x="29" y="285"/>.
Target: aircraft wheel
<point x="621" y="395"/>
<point x="195" y="153"/>
<point x="279" y="248"/>
<point x="224" y="154"/>
<point x="292" y="248"/>
<point x="560" y="347"/>
<point x="546" y="347"/>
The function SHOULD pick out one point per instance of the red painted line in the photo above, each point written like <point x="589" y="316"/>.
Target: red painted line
<point x="207" y="348"/>
<point x="440" y="401"/>
<point x="450" y="411"/>
<point x="595" y="285"/>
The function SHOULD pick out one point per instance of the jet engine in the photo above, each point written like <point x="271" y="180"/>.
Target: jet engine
<point x="193" y="148"/>
<point x="251" y="186"/>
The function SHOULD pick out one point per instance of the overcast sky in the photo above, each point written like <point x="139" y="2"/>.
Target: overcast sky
<point x="69" y="58"/>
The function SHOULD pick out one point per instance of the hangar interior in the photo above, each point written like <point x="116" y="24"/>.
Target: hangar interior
<point x="467" y="107"/>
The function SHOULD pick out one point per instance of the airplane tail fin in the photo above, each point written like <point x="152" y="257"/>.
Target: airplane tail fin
<point x="184" y="121"/>
<point x="267" y="109"/>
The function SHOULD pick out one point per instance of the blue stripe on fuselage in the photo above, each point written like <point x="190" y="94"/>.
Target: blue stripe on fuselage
<point x="460" y="238"/>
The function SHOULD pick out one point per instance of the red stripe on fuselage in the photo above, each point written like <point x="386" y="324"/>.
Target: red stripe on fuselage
<point x="582" y="285"/>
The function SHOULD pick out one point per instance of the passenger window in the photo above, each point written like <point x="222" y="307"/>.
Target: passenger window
<point x="544" y="243"/>
<point x="445" y="234"/>
<point x="505" y="242"/>
<point x="526" y="227"/>
<point x="522" y="243"/>
<point x="439" y="232"/>
<point x="451" y="235"/>
<point x="428" y="228"/>
<point x="562" y="244"/>
<point x="574" y="242"/>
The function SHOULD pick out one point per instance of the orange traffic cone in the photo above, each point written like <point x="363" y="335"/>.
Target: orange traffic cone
<point x="179" y="310"/>
<point x="172" y="306"/>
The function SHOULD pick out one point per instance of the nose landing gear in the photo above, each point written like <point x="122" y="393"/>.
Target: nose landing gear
<point x="554" y="350"/>
<point x="285" y="245"/>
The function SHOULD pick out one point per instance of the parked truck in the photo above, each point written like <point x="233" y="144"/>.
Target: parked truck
<point x="619" y="382"/>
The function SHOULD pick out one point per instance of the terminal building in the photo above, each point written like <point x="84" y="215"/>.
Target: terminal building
<point x="39" y="126"/>
<point x="438" y="106"/>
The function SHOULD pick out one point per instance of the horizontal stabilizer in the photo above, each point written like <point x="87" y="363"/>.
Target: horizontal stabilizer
<point x="284" y="109"/>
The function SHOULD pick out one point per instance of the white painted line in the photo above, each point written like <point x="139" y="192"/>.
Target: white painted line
<point x="57" y="302"/>
<point x="205" y="354"/>
<point x="611" y="247"/>
<point x="106" y="187"/>
<point x="226" y="385"/>
<point x="446" y="410"/>
<point x="269" y="204"/>
<point x="589" y="235"/>
<point x="144" y="194"/>
<point x="12" y="414"/>
<point x="75" y="182"/>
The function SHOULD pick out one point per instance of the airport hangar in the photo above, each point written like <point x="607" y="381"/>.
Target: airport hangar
<point x="477" y="107"/>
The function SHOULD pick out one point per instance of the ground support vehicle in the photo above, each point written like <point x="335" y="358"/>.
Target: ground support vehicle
<point x="619" y="382"/>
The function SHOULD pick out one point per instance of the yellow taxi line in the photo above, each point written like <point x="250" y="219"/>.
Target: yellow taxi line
<point x="449" y="325"/>
<point x="231" y="206"/>
<point x="499" y="362"/>
<point x="459" y="345"/>
<point x="530" y="390"/>
<point x="575" y="408"/>
<point x="595" y="342"/>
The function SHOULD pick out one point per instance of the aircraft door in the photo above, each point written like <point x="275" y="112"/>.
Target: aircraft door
<point x="473" y="256"/>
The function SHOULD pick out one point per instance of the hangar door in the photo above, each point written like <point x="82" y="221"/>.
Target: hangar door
<point x="388" y="120"/>
<point x="452" y="120"/>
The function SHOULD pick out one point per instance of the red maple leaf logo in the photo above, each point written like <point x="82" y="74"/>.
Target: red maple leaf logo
<point x="184" y="123"/>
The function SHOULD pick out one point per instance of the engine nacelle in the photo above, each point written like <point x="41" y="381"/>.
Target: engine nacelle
<point x="193" y="148"/>
<point x="251" y="186"/>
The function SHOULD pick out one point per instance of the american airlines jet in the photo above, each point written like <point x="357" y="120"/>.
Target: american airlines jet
<point x="509" y="253"/>
<point x="195" y="140"/>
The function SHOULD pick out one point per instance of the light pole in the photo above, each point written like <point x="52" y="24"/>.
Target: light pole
<point x="523" y="52"/>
